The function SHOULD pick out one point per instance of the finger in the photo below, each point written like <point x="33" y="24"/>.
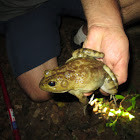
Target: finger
<point x="121" y="71"/>
<point x="93" y="41"/>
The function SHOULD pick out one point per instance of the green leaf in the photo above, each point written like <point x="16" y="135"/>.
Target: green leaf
<point x="122" y="111"/>
<point x="121" y="108"/>
<point x="107" y="124"/>
<point x="125" y="114"/>
<point x="119" y="96"/>
<point x="113" y="111"/>
<point x="129" y="108"/>
<point x="138" y="95"/>
<point x="133" y="104"/>
<point x="133" y="101"/>
<point x="100" y="99"/>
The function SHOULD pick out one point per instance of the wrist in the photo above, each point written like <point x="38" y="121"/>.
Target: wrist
<point x="102" y="12"/>
<point x="105" y="21"/>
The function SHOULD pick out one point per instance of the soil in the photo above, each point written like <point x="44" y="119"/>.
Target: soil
<point x="62" y="117"/>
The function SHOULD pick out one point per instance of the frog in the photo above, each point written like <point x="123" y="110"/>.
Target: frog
<point x="83" y="73"/>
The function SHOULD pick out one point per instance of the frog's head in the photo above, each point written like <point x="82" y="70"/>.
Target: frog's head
<point x="57" y="83"/>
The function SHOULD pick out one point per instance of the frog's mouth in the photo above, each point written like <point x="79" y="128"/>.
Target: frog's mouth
<point x="50" y="87"/>
<point x="44" y="87"/>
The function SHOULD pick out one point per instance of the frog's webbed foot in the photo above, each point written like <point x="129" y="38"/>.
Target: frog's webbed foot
<point x="83" y="99"/>
<point x="110" y="83"/>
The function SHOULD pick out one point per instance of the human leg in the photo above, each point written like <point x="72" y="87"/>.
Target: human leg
<point x="32" y="46"/>
<point x="29" y="81"/>
<point x="130" y="10"/>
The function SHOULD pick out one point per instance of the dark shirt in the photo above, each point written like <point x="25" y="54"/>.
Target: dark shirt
<point x="13" y="8"/>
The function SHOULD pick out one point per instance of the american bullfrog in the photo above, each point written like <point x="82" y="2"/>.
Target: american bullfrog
<point x="82" y="73"/>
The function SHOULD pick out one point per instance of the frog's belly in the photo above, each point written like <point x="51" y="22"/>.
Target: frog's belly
<point x="89" y="86"/>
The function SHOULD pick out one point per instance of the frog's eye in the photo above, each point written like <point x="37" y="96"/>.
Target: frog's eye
<point x="51" y="83"/>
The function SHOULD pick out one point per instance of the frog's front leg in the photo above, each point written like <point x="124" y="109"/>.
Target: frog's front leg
<point x="84" y="52"/>
<point x="83" y="99"/>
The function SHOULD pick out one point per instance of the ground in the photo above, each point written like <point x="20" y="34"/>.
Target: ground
<point x="62" y="117"/>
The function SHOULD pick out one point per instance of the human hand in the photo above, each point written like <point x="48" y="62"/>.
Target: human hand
<point x="113" y="42"/>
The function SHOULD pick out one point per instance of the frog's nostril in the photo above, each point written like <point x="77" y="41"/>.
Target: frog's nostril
<point x="51" y="83"/>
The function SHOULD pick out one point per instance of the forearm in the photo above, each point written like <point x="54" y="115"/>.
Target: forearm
<point x="102" y="12"/>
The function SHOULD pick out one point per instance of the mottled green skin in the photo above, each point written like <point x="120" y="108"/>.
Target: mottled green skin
<point x="82" y="73"/>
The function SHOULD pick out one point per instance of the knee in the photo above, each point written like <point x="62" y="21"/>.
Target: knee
<point x="32" y="90"/>
<point x="29" y="81"/>
<point x="39" y="96"/>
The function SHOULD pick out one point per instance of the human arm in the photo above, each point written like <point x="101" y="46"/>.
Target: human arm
<point x="106" y="34"/>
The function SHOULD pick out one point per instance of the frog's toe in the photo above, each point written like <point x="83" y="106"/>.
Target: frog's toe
<point x="84" y="52"/>
<point x="85" y="108"/>
<point x="93" y="53"/>
<point x="114" y="99"/>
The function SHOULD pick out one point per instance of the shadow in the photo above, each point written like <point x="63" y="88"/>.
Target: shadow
<point x="64" y="97"/>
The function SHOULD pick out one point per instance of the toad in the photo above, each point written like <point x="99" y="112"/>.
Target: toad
<point x="82" y="73"/>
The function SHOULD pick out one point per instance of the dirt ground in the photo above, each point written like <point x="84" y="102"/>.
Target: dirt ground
<point x="62" y="117"/>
